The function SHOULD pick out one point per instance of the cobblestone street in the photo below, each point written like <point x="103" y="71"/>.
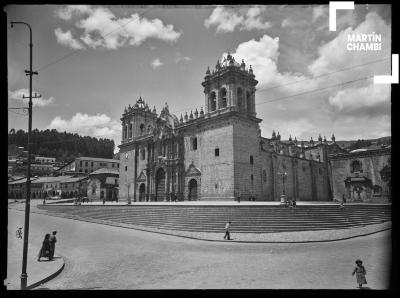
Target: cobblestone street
<point x="105" y="257"/>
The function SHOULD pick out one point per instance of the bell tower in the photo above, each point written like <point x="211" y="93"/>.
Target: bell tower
<point x="137" y="121"/>
<point x="230" y="87"/>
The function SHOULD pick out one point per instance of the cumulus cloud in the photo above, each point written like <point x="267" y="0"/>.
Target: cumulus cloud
<point x="369" y="99"/>
<point x="101" y="28"/>
<point x="263" y="55"/>
<point x="156" y="63"/>
<point x="36" y="102"/>
<point x="372" y="99"/>
<point x="334" y="54"/>
<point x="65" y="38"/>
<point x="99" y="125"/>
<point x="67" y="12"/>
<point x="227" y="19"/>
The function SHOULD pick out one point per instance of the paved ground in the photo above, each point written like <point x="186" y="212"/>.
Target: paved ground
<point x="37" y="271"/>
<point x="106" y="257"/>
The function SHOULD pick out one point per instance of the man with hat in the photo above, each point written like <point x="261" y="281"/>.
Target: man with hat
<point x="53" y="241"/>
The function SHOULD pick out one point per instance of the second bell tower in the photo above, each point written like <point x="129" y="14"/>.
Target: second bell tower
<point x="230" y="86"/>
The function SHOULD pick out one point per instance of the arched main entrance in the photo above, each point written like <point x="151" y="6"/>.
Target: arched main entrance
<point x="192" y="190"/>
<point x="142" y="192"/>
<point x="160" y="185"/>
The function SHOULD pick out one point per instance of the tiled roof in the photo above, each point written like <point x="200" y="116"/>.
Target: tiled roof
<point x="105" y="171"/>
<point x="97" y="159"/>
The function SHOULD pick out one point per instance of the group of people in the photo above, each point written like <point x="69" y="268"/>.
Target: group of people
<point x="290" y="203"/>
<point x="48" y="246"/>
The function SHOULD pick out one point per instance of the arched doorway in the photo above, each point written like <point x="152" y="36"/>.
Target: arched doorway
<point x="192" y="190"/>
<point x="142" y="192"/>
<point x="160" y="185"/>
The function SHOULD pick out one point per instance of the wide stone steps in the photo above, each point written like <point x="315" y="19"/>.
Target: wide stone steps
<point x="245" y="219"/>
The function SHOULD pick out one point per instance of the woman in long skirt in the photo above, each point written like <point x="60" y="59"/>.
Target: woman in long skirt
<point x="45" y="250"/>
<point x="360" y="272"/>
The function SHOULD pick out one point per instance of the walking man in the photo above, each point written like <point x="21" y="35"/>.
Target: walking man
<point x="227" y="227"/>
<point x="53" y="241"/>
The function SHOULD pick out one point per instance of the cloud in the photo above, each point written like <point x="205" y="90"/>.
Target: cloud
<point x="226" y="19"/>
<point x="101" y="28"/>
<point x="371" y="99"/>
<point x="263" y="55"/>
<point x="36" y="102"/>
<point x="99" y="125"/>
<point x="299" y="128"/>
<point x="179" y="58"/>
<point x="334" y="54"/>
<point x="156" y="63"/>
<point x="65" y="38"/>
<point x="67" y="12"/>
<point x="287" y="22"/>
<point x="319" y="11"/>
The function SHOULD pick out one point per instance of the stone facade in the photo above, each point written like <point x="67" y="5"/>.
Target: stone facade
<point x="103" y="184"/>
<point x="218" y="153"/>
<point x="362" y="176"/>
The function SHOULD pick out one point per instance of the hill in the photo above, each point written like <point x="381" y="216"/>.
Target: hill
<point x="61" y="145"/>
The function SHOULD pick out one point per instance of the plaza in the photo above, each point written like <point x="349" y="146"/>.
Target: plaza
<point x="134" y="259"/>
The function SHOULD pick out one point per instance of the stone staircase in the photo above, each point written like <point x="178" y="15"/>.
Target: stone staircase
<point x="245" y="219"/>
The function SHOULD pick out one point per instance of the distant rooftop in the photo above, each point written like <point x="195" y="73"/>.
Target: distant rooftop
<point x="97" y="159"/>
<point x="105" y="171"/>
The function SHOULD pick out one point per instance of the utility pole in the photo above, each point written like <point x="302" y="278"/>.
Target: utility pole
<point x="30" y="73"/>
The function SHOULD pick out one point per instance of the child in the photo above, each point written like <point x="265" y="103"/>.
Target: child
<point x="360" y="272"/>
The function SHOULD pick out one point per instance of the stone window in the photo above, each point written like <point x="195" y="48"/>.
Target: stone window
<point x="264" y="175"/>
<point x="251" y="159"/>
<point x="194" y="143"/>
<point x="143" y="154"/>
<point x="112" y="165"/>
<point x="117" y="165"/>
<point x="223" y="98"/>
<point x="125" y="131"/>
<point x="239" y="98"/>
<point x="130" y="130"/>
<point x="216" y="151"/>
<point x="356" y="166"/>
<point x="126" y="168"/>
<point x="141" y="128"/>
<point x="213" y="101"/>
<point x="248" y="101"/>
<point x="80" y="163"/>
<point x="320" y="171"/>
<point x="92" y="163"/>
<point x="86" y="163"/>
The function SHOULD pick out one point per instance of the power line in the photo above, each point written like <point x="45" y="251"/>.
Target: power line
<point x="327" y="74"/>
<point x="76" y="51"/>
<point x="315" y="90"/>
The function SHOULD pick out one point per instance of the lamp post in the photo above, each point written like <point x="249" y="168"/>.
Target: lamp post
<point x="283" y="196"/>
<point x="29" y="72"/>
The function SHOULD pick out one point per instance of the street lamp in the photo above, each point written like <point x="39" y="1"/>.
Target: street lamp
<point x="283" y="196"/>
<point x="24" y="275"/>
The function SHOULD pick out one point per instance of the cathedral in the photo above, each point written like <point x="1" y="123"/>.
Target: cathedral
<point x="218" y="153"/>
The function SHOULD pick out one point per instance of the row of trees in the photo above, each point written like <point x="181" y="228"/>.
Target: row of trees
<point x="62" y="145"/>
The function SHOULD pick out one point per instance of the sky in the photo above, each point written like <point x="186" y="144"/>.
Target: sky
<point x="93" y="61"/>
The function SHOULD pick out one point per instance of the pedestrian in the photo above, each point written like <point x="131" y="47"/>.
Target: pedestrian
<point x="360" y="272"/>
<point x="53" y="241"/>
<point x="294" y="202"/>
<point x="238" y="198"/>
<point x="104" y="201"/>
<point x="45" y="249"/>
<point x="344" y="199"/>
<point x="227" y="227"/>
